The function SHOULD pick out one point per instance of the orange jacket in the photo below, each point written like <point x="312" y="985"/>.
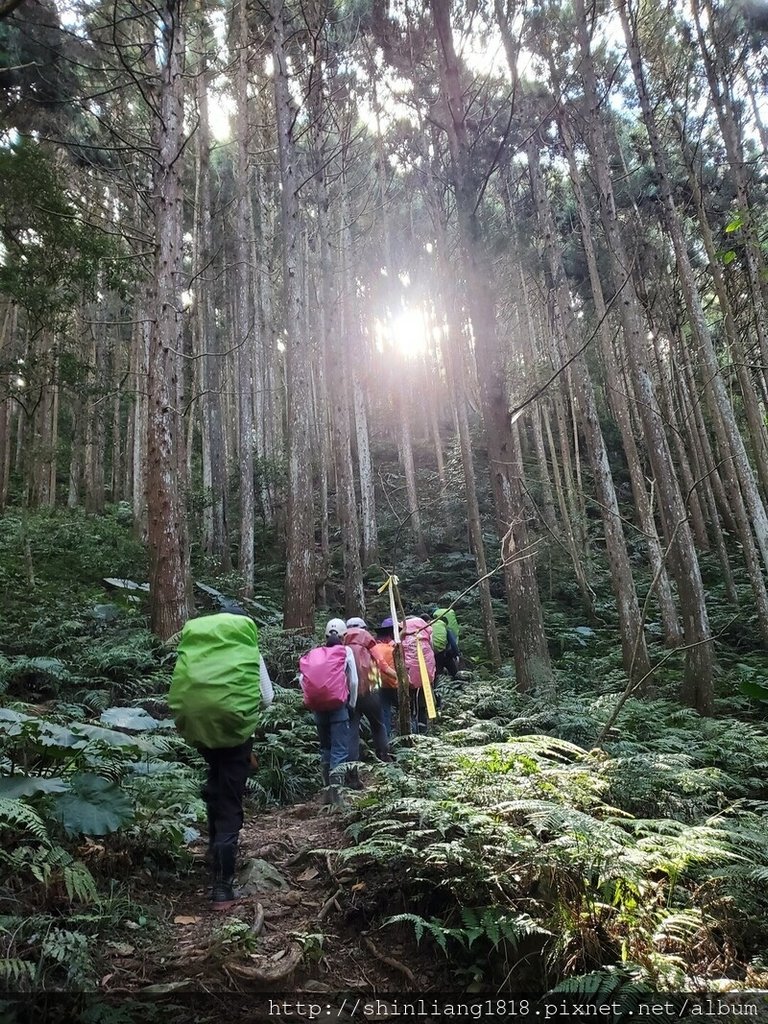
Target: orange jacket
<point x="383" y="653"/>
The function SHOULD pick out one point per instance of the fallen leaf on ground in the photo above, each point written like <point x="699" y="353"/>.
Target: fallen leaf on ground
<point x="164" y="989"/>
<point x="308" y="875"/>
<point x="181" y="919"/>
<point x="358" y="887"/>
<point x="121" y="948"/>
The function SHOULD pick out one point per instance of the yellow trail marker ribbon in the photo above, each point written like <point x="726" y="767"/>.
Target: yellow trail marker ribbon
<point x="426" y="684"/>
<point x="390" y="583"/>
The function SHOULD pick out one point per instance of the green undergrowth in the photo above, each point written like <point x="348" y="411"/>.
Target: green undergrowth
<point x="99" y="798"/>
<point x="529" y="861"/>
<point x="98" y="816"/>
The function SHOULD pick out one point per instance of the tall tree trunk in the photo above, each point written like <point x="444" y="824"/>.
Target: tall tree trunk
<point x="10" y="322"/>
<point x="215" y="527"/>
<point x="370" y="533"/>
<point x="455" y="382"/>
<point x="354" y="597"/>
<point x="168" y="590"/>
<point x="244" y="310"/>
<point x="473" y="510"/>
<point x="5" y="450"/>
<point x="94" y="424"/>
<point x="141" y="346"/>
<point x="434" y="426"/>
<point x="570" y="545"/>
<point x="547" y="509"/>
<point x="299" y="578"/>
<point x="689" y="409"/>
<point x="116" y="468"/>
<point x="325" y="467"/>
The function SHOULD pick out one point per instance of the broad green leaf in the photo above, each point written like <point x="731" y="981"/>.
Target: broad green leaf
<point x="130" y="719"/>
<point x="52" y="735"/>
<point x="11" y="721"/>
<point x="735" y="224"/>
<point x="15" y="786"/>
<point x="109" y="736"/>
<point x="95" y="806"/>
<point x="729" y="257"/>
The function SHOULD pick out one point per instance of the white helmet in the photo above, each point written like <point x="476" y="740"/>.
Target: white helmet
<point x="337" y="626"/>
<point x="356" y="623"/>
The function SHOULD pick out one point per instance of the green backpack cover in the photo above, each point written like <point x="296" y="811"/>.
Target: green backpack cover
<point x="445" y="619"/>
<point x="215" y="694"/>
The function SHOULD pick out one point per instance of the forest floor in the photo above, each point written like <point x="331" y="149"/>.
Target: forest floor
<point x="309" y="946"/>
<point x="304" y="918"/>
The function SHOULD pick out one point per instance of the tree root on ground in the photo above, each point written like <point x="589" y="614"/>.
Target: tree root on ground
<point x="324" y="910"/>
<point x="390" y="961"/>
<point x="258" y="920"/>
<point x="269" y="974"/>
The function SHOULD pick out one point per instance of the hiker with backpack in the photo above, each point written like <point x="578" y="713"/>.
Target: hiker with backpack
<point x="445" y="641"/>
<point x="417" y="636"/>
<point x="328" y="679"/>
<point x="369" y="702"/>
<point x="218" y="684"/>
<point x="383" y="653"/>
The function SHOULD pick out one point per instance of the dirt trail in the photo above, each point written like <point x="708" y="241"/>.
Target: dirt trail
<point x="313" y="936"/>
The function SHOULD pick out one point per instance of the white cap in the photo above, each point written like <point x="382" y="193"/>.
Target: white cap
<point x="356" y="623"/>
<point x="337" y="626"/>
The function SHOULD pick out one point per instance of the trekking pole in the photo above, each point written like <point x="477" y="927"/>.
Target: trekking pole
<point x="426" y="684"/>
<point x="403" y="684"/>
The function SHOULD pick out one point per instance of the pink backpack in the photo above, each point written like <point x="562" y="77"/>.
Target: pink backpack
<point x="417" y="627"/>
<point x="360" y="642"/>
<point x="324" y="680"/>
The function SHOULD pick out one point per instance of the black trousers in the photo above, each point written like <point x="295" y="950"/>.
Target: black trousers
<point x="419" y="716"/>
<point x="446" y="662"/>
<point x="224" y="790"/>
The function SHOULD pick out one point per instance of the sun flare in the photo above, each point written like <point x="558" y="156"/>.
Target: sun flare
<point x="406" y="333"/>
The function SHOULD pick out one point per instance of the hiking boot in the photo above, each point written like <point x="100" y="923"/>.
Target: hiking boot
<point x="222" y="890"/>
<point x="223" y="896"/>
